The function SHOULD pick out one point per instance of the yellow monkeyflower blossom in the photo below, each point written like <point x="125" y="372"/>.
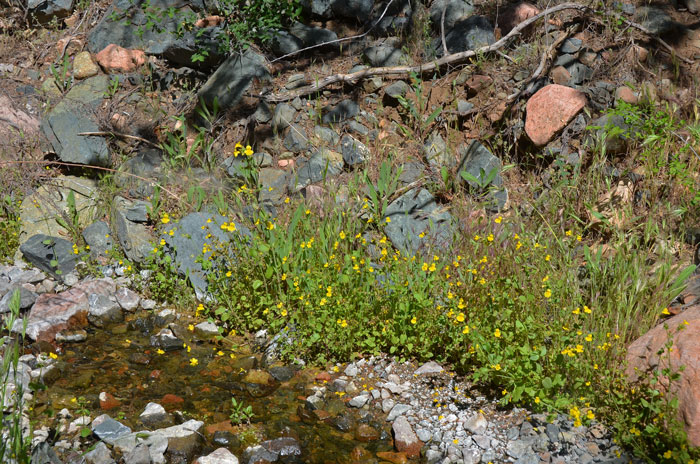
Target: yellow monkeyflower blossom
<point x="547" y="293"/>
<point x="465" y="330"/>
<point x="497" y="333"/>
<point x="53" y="356"/>
<point x="498" y="220"/>
<point x="248" y="150"/>
<point x="194" y="361"/>
<point x="159" y="351"/>
<point x="666" y="312"/>
<point x="165" y="219"/>
<point x="414" y="320"/>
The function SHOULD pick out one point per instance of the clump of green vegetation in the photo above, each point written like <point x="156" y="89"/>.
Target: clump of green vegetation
<point x="15" y="446"/>
<point x="9" y="227"/>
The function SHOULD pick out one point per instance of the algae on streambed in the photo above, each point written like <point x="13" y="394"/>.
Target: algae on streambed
<point x="197" y="380"/>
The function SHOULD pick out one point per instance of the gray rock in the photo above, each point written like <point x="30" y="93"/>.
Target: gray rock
<point x="470" y="456"/>
<point x="346" y="109"/>
<point x="283" y="116"/>
<point x="488" y="456"/>
<point x="424" y="435"/>
<point x="284" y="43"/>
<point x="358" y="10"/>
<point x="476" y="424"/>
<point x="613" y="131"/>
<point x="52" y="255"/>
<point x="626" y="8"/>
<point x="146" y="164"/>
<point x="166" y="340"/>
<point x="464" y="107"/>
<point x="358" y="401"/>
<point x="153" y="415"/>
<point x="273" y="185"/>
<point x="26" y="298"/>
<point x="232" y="79"/>
<point x="114" y="27"/>
<point x="99" y="238"/>
<point x="383" y="55"/>
<point x="137" y="212"/>
<point x="204" y="41"/>
<point x="564" y="60"/>
<point x="580" y="73"/>
<point x="455" y="11"/>
<point x="394" y="91"/>
<point x="354" y="151"/>
<point x="45" y="10"/>
<point x="99" y="455"/>
<point x="413" y="213"/>
<point x="532" y="458"/>
<point x="138" y="455"/>
<point x="411" y="172"/>
<point x="482" y="441"/>
<point x="404" y="437"/>
<point x="185" y="245"/>
<point x="108" y="430"/>
<point x="351" y="370"/>
<point x="219" y="456"/>
<point x="571" y="45"/>
<point x="71" y="336"/>
<point x="206" y="329"/>
<point x="103" y="310"/>
<point x="396" y="411"/>
<point x="323" y="164"/>
<point x="436" y="152"/>
<point x="479" y="162"/>
<point x="432" y="456"/>
<point x="282" y="373"/>
<point x="326" y="134"/>
<point x="320" y="8"/>
<point x="356" y="127"/>
<point x="43" y="453"/>
<point x="71" y="117"/>
<point x="469" y="34"/>
<point x="656" y="20"/>
<point x="127" y="299"/>
<point x="311" y="35"/>
<point x="518" y="448"/>
<point x="431" y="367"/>
<point x="296" y="140"/>
<point x="134" y="238"/>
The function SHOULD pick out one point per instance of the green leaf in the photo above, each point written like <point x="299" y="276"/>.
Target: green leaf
<point x="256" y="284"/>
<point x="53" y="263"/>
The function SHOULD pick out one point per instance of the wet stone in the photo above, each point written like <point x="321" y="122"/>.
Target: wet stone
<point x="26" y="298"/>
<point x="109" y="430"/>
<point x="358" y="401"/>
<point x="366" y="433"/>
<point x="153" y="415"/>
<point x="127" y="299"/>
<point x="225" y="438"/>
<point x="282" y="373"/>
<point x="103" y="310"/>
<point x="71" y="336"/>
<point x="99" y="455"/>
<point x="219" y="456"/>
<point x="166" y="340"/>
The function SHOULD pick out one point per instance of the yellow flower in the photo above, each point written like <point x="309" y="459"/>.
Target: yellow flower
<point x="587" y="310"/>
<point x="590" y="415"/>
<point x="498" y="220"/>
<point x="388" y="220"/>
<point x="53" y="356"/>
<point x="424" y="267"/>
<point x="496" y="367"/>
<point x="165" y="219"/>
<point x="589" y="338"/>
<point x="465" y="330"/>
<point x="248" y="151"/>
<point x="490" y="238"/>
<point x="159" y="351"/>
<point x="414" y="320"/>
<point x="228" y="273"/>
<point x="193" y="361"/>
<point x="270" y="225"/>
<point x="547" y="293"/>
<point x="497" y="333"/>
<point x="342" y="235"/>
<point x="665" y="312"/>
<point x="569" y="233"/>
<point x="547" y="258"/>
<point x="74" y="400"/>
<point x="668" y="454"/>
<point x="219" y="353"/>
<point x="190" y="328"/>
<point x="537" y="400"/>
<point x="283" y="313"/>
<point x="460" y="317"/>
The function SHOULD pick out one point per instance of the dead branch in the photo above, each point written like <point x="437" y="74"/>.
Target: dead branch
<point x="120" y="135"/>
<point x="396" y="71"/>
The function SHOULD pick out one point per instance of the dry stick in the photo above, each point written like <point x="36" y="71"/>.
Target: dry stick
<point x="442" y="31"/>
<point x="90" y="166"/>
<point x="668" y="48"/>
<point x="118" y="134"/>
<point x="353" y="78"/>
<point x="546" y="56"/>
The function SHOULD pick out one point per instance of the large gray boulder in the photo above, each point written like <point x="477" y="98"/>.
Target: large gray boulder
<point x="323" y="164"/>
<point x="45" y="10"/>
<point x="414" y="213"/>
<point x="74" y="115"/>
<point x="233" y="77"/>
<point x="52" y="255"/>
<point x="469" y="34"/>
<point x="189" y="237"/>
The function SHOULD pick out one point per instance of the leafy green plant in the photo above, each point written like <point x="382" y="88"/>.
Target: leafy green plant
<point x="15" y="446"/>
<point x="9" y="227"/>
<point x="240" y="413"/>
<point x="70" y="220"/>
<point x="61" y="74"/>
<point x="415" y="109"/>
<point x="112" y="88"/>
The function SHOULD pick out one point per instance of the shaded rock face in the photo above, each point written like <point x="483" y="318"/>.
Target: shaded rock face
<point x="133" y="235"/>
<point x="413" y="213"/>
<point x="74" y="115"/>
<point x="469" y="34"/>
<point x="233" y="77"/>
<point x="189" y="237"/>
<point x="480" y="163"/>
<point x="114" y="29"/>
<point x="52" y="255"/>
<point x="45" y="10"/>
<point x="643" y="357"/>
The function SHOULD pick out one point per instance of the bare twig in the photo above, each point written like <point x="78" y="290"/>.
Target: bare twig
<point x="442" y="30"/>
<point x="663" y="43"/>
<point x="343" y="39"/>
<point x="422" y="68"/>
<point x="546" y="56"/>
<point x="120" y="135"/>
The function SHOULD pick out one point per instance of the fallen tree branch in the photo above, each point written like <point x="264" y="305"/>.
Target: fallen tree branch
<point x="353" y="78"/>
<point x="120" y="135"/>
<point x="546" y="57"/>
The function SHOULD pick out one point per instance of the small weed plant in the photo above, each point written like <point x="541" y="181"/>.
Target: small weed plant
<point x="9" y="227"/>
<point x="240" y="413"/>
